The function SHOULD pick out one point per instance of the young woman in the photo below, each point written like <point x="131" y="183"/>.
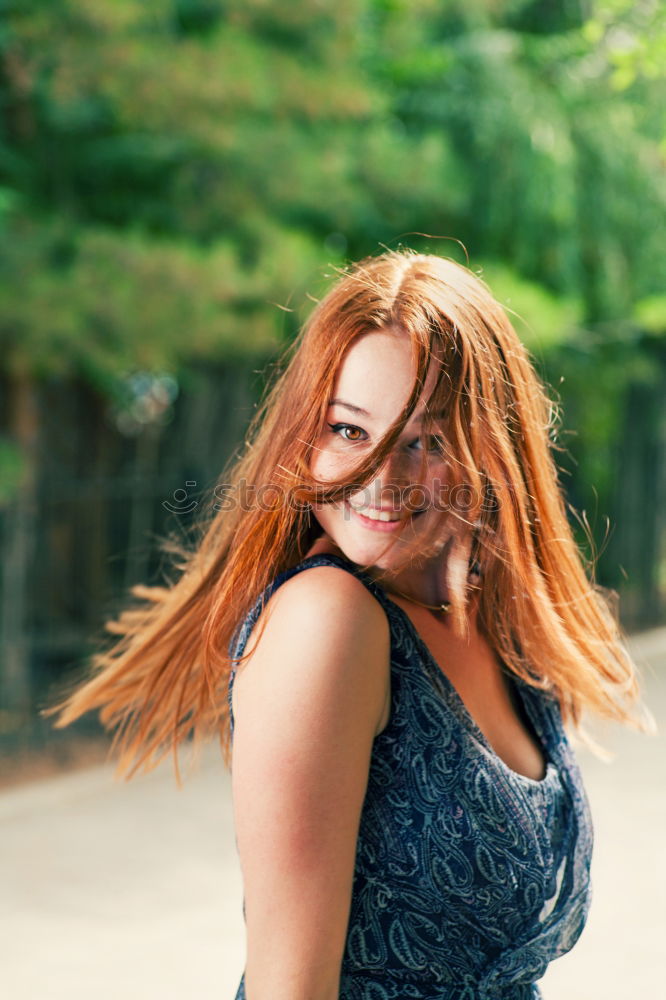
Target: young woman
<point x="410" y="816"/>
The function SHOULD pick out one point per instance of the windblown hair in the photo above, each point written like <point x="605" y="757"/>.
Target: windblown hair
<point x="165" y="676"/>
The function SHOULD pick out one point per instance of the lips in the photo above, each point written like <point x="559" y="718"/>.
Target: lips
<point x="377" y="513"/>
<point x="379" y="519"/>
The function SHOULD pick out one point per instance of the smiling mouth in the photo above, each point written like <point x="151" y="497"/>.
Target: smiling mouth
<point x="386" y="516"/>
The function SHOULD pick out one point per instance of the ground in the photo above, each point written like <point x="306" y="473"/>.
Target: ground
<point x="133" y="890"/>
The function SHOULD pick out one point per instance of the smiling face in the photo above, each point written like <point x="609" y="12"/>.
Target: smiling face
<point x="371" y="389"/>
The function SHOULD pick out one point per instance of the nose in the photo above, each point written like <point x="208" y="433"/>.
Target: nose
<point x="392" y="477"/>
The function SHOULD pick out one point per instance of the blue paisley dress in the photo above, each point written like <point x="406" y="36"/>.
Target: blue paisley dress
<point x="469" y="877"/>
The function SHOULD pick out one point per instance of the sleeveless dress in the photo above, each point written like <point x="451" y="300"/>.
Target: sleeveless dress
<point x="469" y="877"/>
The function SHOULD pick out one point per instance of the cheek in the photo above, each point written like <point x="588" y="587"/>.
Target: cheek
<point x="433" y="487"/>
<point x="438" y="471"/>
<point x="324" y="466"/>
<point x="320" y="464"/>
<point x="328" y="464"/>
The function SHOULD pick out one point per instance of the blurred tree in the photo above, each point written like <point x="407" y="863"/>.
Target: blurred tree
<point x="330" y="129"/>
<point x="563" y="173"/>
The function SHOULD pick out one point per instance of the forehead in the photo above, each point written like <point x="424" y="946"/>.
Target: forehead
<point x="377" y="374"/>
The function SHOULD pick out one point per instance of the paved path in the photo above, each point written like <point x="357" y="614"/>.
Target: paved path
<point x="114" y="891"/>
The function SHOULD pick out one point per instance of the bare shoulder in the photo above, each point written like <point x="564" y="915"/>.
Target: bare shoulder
<point x="327" y="602"/>
<point x="320" y="634"/>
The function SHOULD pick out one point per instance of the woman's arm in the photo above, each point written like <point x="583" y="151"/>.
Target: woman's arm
<point x="307" y="706"/>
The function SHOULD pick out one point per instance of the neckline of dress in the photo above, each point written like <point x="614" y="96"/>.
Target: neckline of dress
<point x="450" y="694"/>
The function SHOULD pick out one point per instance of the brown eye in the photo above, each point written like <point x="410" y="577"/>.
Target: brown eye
<point x="349" y="432"/>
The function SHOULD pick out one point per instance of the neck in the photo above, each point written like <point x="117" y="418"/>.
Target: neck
<point x="423" y="583"/>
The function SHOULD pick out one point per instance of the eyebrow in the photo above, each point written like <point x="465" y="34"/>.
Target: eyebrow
<point x="366" y="413"/>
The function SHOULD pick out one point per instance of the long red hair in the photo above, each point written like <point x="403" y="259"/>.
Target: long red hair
<point x="164" y="677"/>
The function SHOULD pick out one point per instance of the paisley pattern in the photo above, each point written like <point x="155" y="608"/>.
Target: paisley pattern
<point x="469" y="877"/>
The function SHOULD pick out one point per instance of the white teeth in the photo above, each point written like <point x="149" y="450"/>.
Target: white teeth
<point x="377" y="515"/>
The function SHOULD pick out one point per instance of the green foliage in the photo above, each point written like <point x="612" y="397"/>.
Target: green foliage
<point x="12" y="467"/>
<point x="632" y="36"/>
<point x="177" y="177"/>
<point x="650" y="314"/>
<point x="103" y="303"/>
<point x="543" y="321"/>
